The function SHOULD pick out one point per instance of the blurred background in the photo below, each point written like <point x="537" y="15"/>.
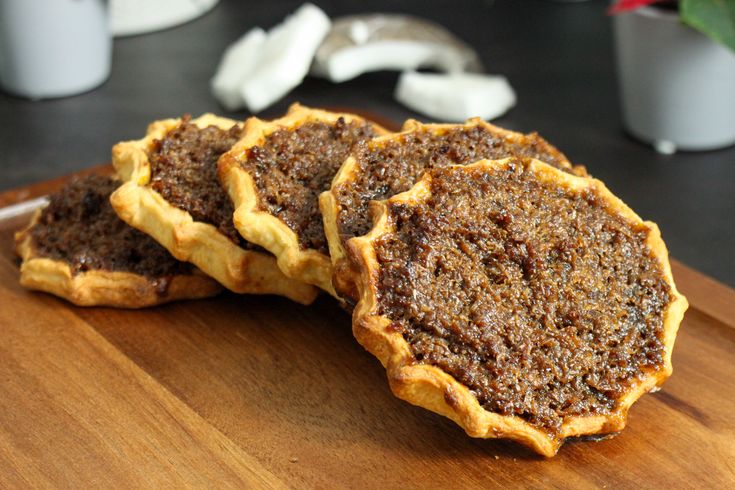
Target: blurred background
<point x="559" y="57"/>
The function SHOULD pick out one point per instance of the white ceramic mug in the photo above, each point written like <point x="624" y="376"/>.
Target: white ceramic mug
<point x="53" y="48"/>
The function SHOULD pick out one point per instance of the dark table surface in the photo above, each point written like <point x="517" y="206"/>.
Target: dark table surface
<point x="558" y="57"/>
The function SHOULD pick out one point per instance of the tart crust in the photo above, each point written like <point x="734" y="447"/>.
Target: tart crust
<point x="239" y="270"/>
<point x="102" y="287"/>
<point x="331" y="209"/>
<point x="430" y="387"/>
<point x="260" y="226"/>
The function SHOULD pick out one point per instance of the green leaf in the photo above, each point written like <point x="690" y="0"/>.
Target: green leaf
<point x="715" y="18"/>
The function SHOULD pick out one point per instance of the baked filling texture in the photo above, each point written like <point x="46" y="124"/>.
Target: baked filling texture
<point x="172" y="192"/>
<point x="541" y="295"/>
<point x="293" y="166"/>
<point x="79" y="241"/>
<point x="390" y="165"/>
<point x="500" y="285"/>
<point x="184" y="172"/>
<point x="275" y="175"/>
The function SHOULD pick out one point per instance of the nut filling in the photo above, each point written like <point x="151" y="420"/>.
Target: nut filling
<point x="184" y="173"/>
<point x="540" y="300"/>
<point x="80" y="228"/>
<point x="391" y="168"/>
<point x="294" y="166"/>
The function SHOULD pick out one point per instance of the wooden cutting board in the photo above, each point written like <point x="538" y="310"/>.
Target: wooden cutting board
<point x="248" y="391"/>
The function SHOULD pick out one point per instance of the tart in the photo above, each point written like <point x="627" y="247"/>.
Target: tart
<point x="171" y="192"/>
<point x="391" y="164"/>
<point x="274" y="176"/>
<point x="77" y="248"/>
<point x="518" y="300"/>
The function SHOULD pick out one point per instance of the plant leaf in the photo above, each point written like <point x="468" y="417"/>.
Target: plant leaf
<point x="715" y="18"/>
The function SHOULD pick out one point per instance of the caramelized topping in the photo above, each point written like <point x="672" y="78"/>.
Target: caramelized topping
<point x="294" y="166"/>
<point x="184" y="173"/>
<point x="80" y="228"/>
<point x="541" y="301"/>
<point x="388" y="168"/>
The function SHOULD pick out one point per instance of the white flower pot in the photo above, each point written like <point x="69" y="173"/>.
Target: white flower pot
<point x="677" y="86"/>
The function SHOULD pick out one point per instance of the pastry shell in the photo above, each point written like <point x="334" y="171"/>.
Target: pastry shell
<point x="102" y="287"/>
<point x="432" y="388"/>
<point x="330" y="205"/>
<point x="239" y="270"/>
<point x="260" y="226"/>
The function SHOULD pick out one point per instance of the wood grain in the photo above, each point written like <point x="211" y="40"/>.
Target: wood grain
<point x="260" y="392"/>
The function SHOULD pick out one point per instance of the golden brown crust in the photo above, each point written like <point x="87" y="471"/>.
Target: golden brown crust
<point x="261" y="227"/>
<point x="101" y="287"/>
<point x="430" y="387"/>
<point x="343" y="277"/>
<point x="241" y="271"/>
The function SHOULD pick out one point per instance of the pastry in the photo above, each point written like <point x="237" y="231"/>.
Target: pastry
<point x="391" y="164"/>
<point x="171" y="192"/>
<point x="77" y="248"/>
<point x="274" y="175"/>
<point x="519" y="300"/>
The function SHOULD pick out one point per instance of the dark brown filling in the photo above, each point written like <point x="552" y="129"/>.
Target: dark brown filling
<point x="80" y="227"/>
<point x="294" y="166"/>
<point x="388" y="169"/>
<point x="542" y="302"/>
<point x="184" y="172"/>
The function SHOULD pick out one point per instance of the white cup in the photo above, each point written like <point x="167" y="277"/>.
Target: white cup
<point x="53" y="48"/>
